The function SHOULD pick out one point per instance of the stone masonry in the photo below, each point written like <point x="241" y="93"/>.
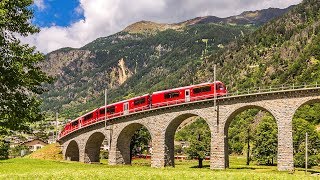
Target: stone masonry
<point x="84" y="145"/>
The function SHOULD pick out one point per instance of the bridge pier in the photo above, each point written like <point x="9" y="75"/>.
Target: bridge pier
<point x="285" y="145"/>
<point x="219" y="158"/>
<point x="158" y="151"/>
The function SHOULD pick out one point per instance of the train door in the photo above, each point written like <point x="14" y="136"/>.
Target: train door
<point x="187" y="95"/>
<point x="126" y="108"/>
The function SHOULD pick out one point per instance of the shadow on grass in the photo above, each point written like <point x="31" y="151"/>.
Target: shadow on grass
<point x="243" y="167"/>
<point x="203" y="167"/>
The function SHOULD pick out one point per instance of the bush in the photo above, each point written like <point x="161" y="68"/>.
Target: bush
<point x="104" y="154"/>
<point x="4" y="149"/>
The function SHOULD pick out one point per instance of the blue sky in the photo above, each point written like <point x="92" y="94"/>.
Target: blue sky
<point x="57" y="12"/>
<point x="75" y="23"/>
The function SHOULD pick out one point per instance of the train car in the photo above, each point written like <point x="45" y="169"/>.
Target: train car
<point x="170" y="97"/>
<point x="70" y="127"/>
<point x="138" y="103"/>
<point x="187" y="94"/>
<point x="89" y="118"/>
<point x="206" y="91"/>
<point x="65" y="130"/>
<point x="125" y="107"/>
<point x="113" y="110"/>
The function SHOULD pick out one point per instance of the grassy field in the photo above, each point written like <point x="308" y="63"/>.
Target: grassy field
<point x="26" y="168"/>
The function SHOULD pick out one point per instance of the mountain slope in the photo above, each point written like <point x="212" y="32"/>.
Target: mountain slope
<point x="284" y="51"/>
<point x="138" y="60"/>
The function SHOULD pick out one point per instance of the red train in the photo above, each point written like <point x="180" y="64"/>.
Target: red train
<point x="148" y="101"/>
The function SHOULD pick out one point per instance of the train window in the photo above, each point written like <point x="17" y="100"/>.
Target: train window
<point x="139" y="101"/>
<point x="102" y="111"/>
<point x="219" y="87"/>
<point x="171" y="95"/>
<point x="75" y="123"/>
<point x="111" y="110"/>
<point x="201" y="89"/>
<point x="89" y="116"/>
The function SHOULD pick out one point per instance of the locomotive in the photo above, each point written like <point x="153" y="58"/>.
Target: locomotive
<point x="148" y="101"/>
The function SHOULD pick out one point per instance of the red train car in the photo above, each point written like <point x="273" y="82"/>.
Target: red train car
<point x="187" y="94"/>
<point x="125" y="107"/>
<point x="88" y="118"/>
<point x="206" y="91"/>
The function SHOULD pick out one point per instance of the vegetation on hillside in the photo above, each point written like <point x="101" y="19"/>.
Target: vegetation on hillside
<point x="284" y="51"/>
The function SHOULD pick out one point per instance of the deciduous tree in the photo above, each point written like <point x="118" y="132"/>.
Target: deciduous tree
<point x="21" y="79"/>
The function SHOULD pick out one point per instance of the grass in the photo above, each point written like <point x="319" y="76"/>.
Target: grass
<point x="49" y="152"/>
<point x="26" y="168"/>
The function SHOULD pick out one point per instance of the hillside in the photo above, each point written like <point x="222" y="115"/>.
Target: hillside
<point x="143" y="58"/>
<point x="283" y="51"/>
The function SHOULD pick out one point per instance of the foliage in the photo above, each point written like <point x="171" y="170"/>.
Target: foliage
<point x="240" y="130"/>
<point x="199" y="139"/>
<point x="309" y="112"/>
<point x="4" y="149"/>
<point x="265" y="141"/>
<point x="140" y="142"/>
<point x="281" y="52"/>
<point x="300" y="128"/>
<point x="20" y="77"/>
<point x="16" y="151"/>
<point x="104" y="154"/>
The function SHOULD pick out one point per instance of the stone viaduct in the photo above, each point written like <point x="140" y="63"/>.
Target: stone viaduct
<point x="162" y="123"/>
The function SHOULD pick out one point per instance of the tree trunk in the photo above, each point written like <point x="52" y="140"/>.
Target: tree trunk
<point x="200" y="162"/>
<point x="248" y="150"/>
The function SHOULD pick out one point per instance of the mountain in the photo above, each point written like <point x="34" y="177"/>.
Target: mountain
<point x="284" y="51"/>
<point x="143" y="58"/>
<point x="258" y="17"/>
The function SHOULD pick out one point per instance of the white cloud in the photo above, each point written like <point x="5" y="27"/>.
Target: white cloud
<point x="40" y="4"/>
<point x="105" y="17"/>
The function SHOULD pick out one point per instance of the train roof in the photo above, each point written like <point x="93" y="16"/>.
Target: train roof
<point x="180" y="88"/>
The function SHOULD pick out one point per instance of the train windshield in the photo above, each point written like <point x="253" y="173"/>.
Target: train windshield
<point x="220" y="86"/>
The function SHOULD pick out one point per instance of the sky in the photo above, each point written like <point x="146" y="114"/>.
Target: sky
<point x="74" y="23"/>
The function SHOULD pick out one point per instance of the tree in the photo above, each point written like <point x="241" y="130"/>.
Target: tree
<point x="21" y="79"/>
<point x="199" y="140"/>
<point x="300" y="127"/>
<point x="265" y="142"/>
<point x="240" y="133"/>
<point x="140" y="142"/>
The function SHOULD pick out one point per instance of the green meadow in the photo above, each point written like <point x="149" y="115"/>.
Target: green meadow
<point x="26" y="168"/>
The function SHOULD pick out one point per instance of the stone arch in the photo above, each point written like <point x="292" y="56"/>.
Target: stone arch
<point x="170" y="131"/>
<point x="232" y="115"/>
<point x="92" y="148"/>
<point x="72" y="151"/>
<point x="237" y="111"/>
<point x="123" y="142"/>
<point x="306" y="102"/>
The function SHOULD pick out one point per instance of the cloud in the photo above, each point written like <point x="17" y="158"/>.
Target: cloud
<point x="105" y="17"/>
<point x="40" y="4"/>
